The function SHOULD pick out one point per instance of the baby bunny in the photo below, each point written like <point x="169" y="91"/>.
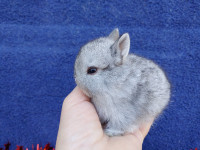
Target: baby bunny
<point x="126" y="90"/>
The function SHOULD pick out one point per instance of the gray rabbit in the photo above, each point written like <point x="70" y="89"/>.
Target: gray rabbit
<point x="126" y="90"/>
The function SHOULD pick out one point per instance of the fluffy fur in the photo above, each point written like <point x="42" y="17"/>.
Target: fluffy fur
<point x="127" y="90"/>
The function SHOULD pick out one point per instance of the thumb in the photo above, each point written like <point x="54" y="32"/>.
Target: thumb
<point x="78" y="120"/>
<point x="142" y="132"/>
<point x="75" y="97"/>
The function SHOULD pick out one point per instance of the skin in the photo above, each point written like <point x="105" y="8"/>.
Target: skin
<point x="80" y="128"/>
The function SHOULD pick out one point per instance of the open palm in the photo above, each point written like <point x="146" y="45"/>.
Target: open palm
<point x="80" y="128"/>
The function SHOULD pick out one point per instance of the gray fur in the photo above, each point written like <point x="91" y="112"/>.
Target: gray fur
<point x="127" y="90"/>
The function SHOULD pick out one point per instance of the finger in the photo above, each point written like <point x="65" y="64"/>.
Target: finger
<point x="75" y="104"/>
<point x="77" y="110"/>
<point x="141" y="133"/>
<point x="75" y="97"/>
<point x="144" y="129"/>
<point x="78" y="119"/>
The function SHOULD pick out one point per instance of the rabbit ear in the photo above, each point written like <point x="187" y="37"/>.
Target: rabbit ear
<point x="124" y="45"/>
<point x="121" y="48"/>
<point x="114" y="35"/>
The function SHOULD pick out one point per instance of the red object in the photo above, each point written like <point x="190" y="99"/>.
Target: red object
<point x="47" y="147"/>
<point x="7" y="145"/>
<point x="19" y="148"/>
<point x="38" y="147"/>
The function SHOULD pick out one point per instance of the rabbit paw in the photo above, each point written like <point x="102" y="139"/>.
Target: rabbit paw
<point x="111" y="132"/>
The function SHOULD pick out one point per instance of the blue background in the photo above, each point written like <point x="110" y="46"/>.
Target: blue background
<point x="39" y="41"/>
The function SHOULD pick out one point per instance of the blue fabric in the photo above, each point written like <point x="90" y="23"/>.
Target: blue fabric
<point x="39" y="41"/>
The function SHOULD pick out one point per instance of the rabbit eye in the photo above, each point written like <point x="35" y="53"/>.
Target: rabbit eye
<point x="92" y="70"/>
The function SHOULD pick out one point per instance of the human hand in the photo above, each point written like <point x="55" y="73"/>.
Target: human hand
<point x="80" y="128"/>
